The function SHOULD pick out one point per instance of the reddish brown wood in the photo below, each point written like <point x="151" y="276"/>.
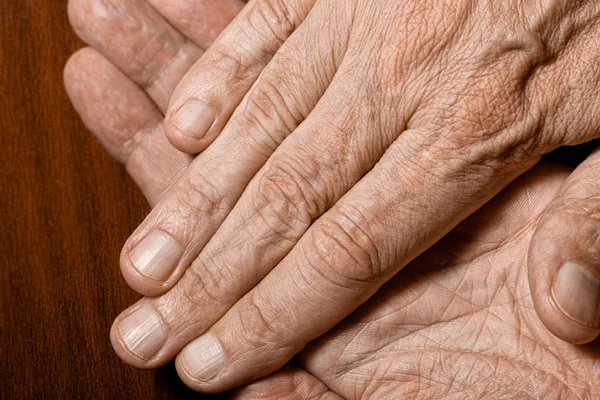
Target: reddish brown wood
<point x="65" y="210"/>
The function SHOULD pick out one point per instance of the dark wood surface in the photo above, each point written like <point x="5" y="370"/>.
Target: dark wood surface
<point x="65" y="210"/>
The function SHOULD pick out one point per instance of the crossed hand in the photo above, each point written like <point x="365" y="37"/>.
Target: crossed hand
<point x="338" y="141"/>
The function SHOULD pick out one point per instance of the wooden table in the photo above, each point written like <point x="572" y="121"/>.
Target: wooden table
<point x="65" y="209"/>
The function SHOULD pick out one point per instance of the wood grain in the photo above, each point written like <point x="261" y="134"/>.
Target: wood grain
<point x="65" y="210"/>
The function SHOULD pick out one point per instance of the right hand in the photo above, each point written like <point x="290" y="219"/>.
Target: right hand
<point x="95" y="76"/>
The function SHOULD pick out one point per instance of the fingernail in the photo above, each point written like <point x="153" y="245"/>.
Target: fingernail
<point x="143" y="333"/>
<point x="202" y="359"/>
<point x="577" y="293"/>
<point x="156" y="256"/>
<point x="194" y="119"/>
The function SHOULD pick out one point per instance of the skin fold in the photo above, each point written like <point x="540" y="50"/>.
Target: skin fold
<point x="133" y="133"/>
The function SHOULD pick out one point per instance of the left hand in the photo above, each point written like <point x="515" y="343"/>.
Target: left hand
<point x="460" y="323"/>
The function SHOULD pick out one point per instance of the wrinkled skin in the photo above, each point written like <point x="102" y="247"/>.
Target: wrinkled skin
<point x="466" y="328"/>
<point x="174" y="163"/>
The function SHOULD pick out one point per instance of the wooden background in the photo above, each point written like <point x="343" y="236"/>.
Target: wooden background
<point x="65" y="210"/>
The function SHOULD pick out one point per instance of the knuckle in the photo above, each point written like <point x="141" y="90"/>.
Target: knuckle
<point x="190" y="290"/>
<point x="139" y="154"/>
<point x="153" y="60"/>
<point x="201" y="286"/>
<point x="260" y="326"/>
<point x="268" y="116"/>
<point x="490" y="130"/>
<point x="266" y="19"/>
<point x="197" y="198"/>
<point x="144" y="55"/>
<point x="232" y="66"/>
<point x="517" y="142"/>
<point x="276" y="15"/>
<point x="285" y="199"/>
<point x="343" y="250"/>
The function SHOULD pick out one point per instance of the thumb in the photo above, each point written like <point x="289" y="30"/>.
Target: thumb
<point x="564" y="257"/>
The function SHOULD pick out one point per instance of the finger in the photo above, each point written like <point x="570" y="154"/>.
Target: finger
<point x="473" y="274"/>
<point x="125" y="121"/>
<point x="445" y="197"/>
<point x="209" y="93"/>
<point x="291" y="383"/>
<point x="564" y="258"/>
<point x="293" y="189"/>
<point x="138" y="40"/>
<point x="95" y="90"/>
<point x="200" y="21"/>
<point x="416" y="194"/>
<point x="343" y="259"/>
<point x="574" y="84"/>
<point x="189" y="216"/>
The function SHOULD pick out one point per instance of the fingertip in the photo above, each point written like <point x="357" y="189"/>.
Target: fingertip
<point x="142" y="284"/>
<point x="191" y="128"/>
<point x="76" y="68"/>
<point x="563" y="275"/>
<point x="561" y="326"/>
<point x="74" y="10"/>
<point x="185" y="375"/>
<point x="200" y="362"/>
<point x="158" y="257"/>
<point x="576" y="291"/>
<point x="70" y="68"/>
<point x="138" y="335"/>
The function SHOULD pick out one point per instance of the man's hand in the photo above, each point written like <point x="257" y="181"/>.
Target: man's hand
<point x="458" y="323"/>
<point x="465" y="305"/>
<point x="462" y="108"/>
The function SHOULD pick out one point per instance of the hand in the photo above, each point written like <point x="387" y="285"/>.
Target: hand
<point x="464" y="328"/>
<point x="183" y="321"/>
<point x="121" y="85"/>
<point x="436" y="319"/>
<point x="422" y="329"/>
